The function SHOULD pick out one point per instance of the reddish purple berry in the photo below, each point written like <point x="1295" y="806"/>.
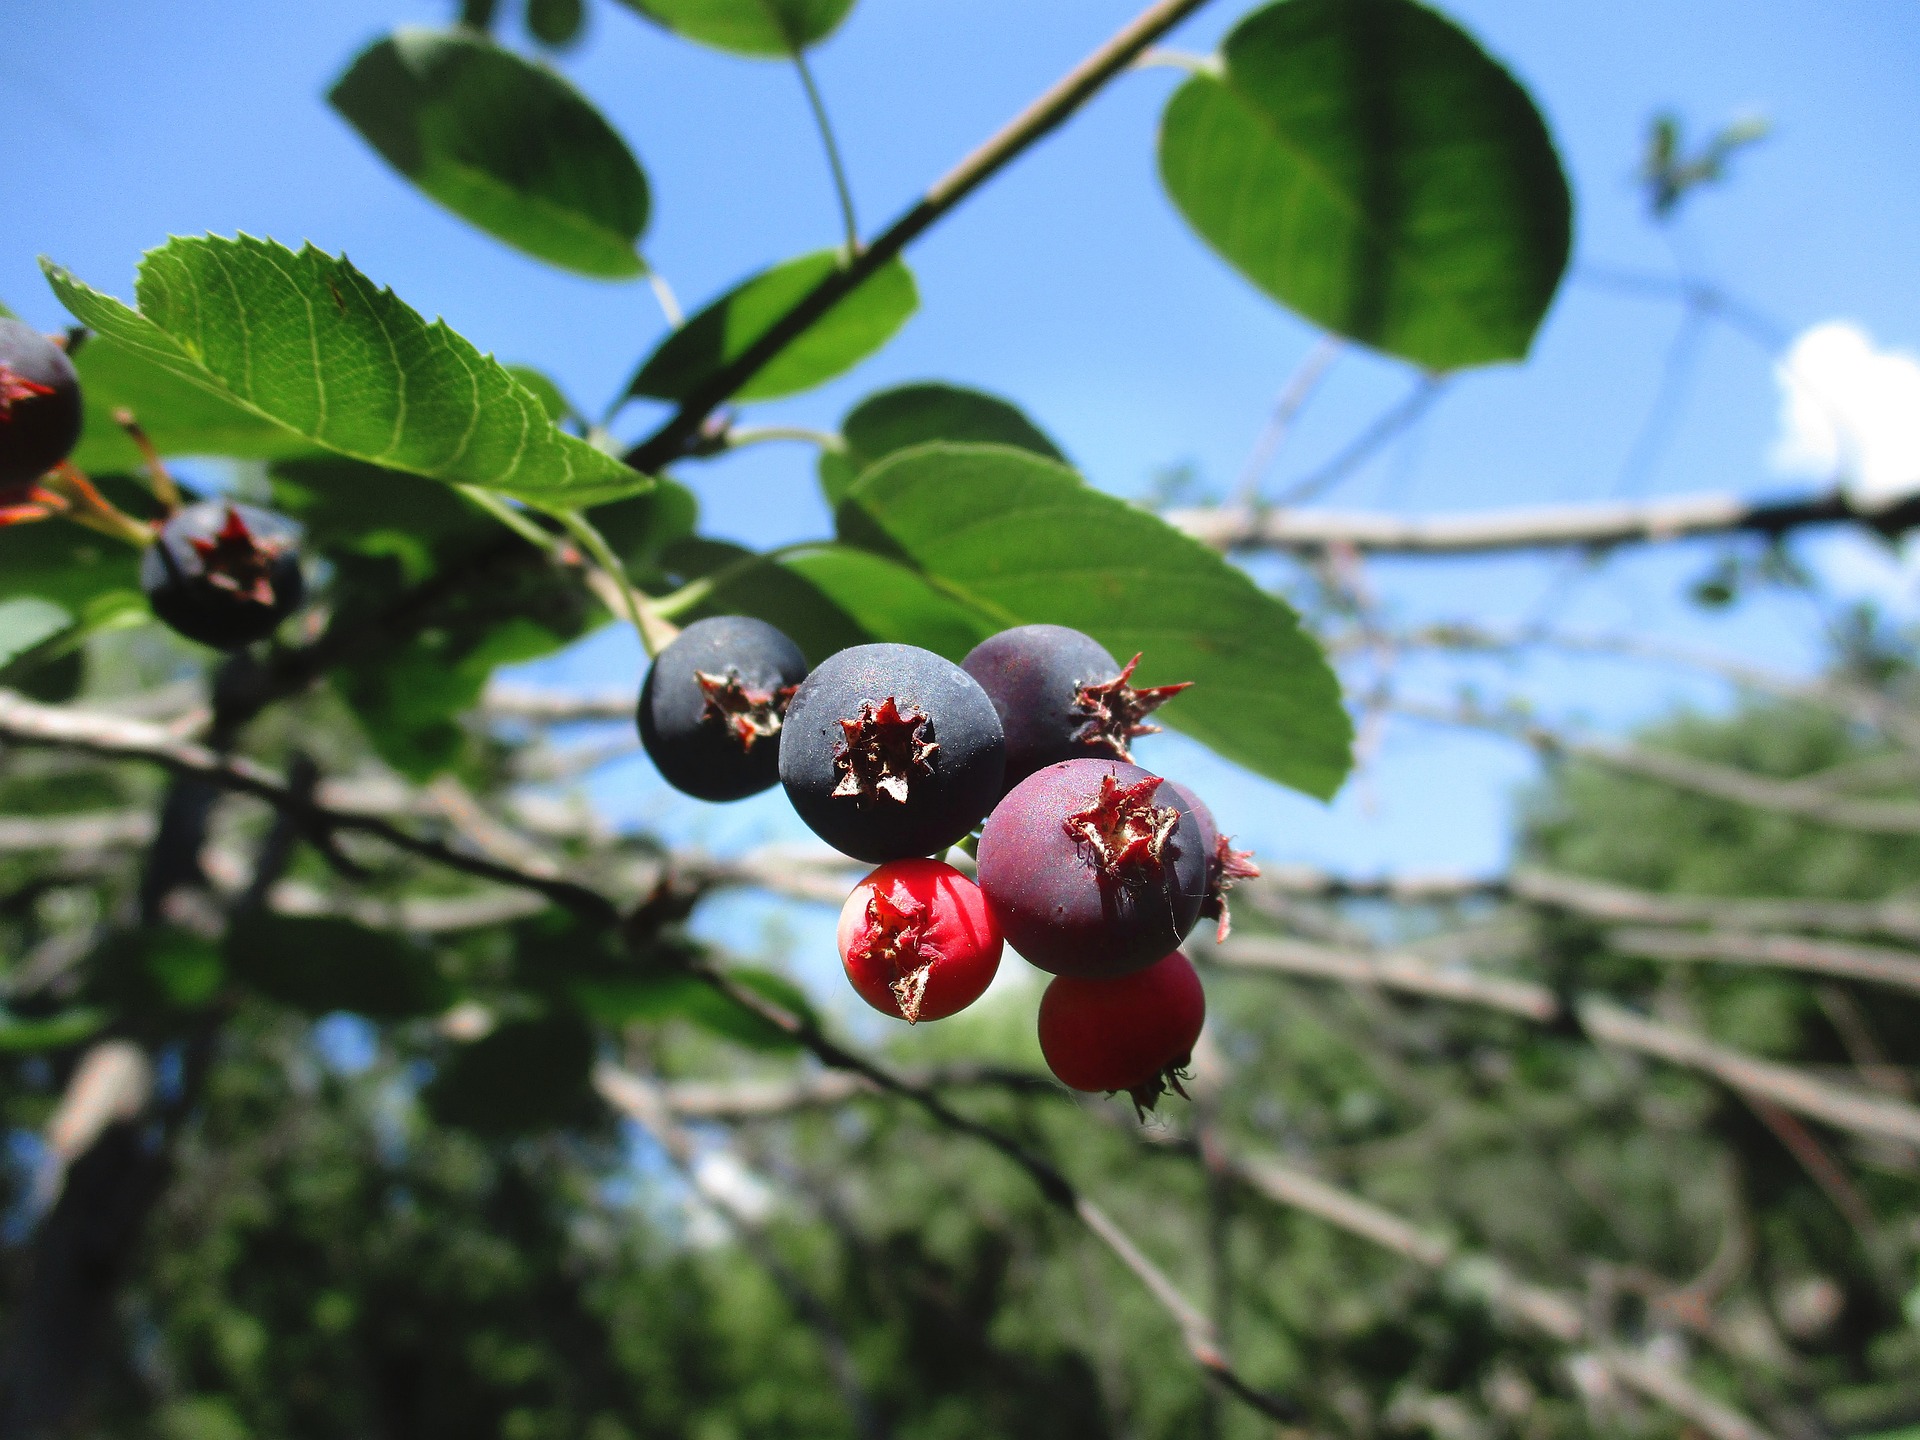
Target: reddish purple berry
<point x="1225" y="865"/>
<point x="713" y="703"/>
<point x="1134" y="1033"/>
<point x="890" y="751"/>
<point x="1093" y="867"/>
<point x="1061" y="696"/>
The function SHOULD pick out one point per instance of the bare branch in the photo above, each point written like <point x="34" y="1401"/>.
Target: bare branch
<point x="1601" y="901"/>
<point x="1873" y="963"/>
<point x="1540" y="527"/>
<point x="1040" y="118"/>
<point x="552" y="707"/>
<point x="87" y="830"/>
<point x="1785" y="1086"/>
<point x="1386" y="969"/>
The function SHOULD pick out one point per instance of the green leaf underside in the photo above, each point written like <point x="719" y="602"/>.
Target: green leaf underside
<point x="748" y="27"/>
<point x="51" y="1033"/>
<point x="847" y="334"/>
<point x="307" y="341"/>
<point x="828" y="598"/>
<point x="181" y="417"/>
<point x="503" y="143"/>
<point x="915" y="414"/>
<point x="1023" y="541"/>
<point x="1366" y="163"/>
<point x="27" y="620"/>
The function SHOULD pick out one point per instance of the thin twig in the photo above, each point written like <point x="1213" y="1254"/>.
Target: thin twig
<point x="843" y="192"/>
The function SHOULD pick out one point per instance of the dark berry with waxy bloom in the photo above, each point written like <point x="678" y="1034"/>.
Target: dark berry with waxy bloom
<point x="1134" y="1032"/>
<point x="1061" y="696"/>
<point x="39" y="404"/>
<point x="917" y="940"/>
<point x="1093" y="867"/>
<point x="890" y="751"/>
<point x="713" y="703"/>
<point x="224" y="574"/>
<point x="1225" y="865"/>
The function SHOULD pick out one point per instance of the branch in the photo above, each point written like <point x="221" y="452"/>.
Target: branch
<point x="1067" y="95"/>
<point x="740" y="1100"/>
<point x="1873" y="963"/>
<point x="88" y="830"/>
<point x="1541" y="527"/>
<point x="1387" y="970"/>
<point x="1601" y="901"/>
<point x="1804" y="799"/>
<point x="25" y="723"/>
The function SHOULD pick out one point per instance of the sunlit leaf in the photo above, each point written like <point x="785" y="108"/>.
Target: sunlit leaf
<point x="1368" y="164"/>
<point x="502" y="142"/>
<point x="847" y="334"/>
<point x="748" y="27"/>
<point x="307" y="341"/>
<point x="1022" y="540"/>
<point x="915" y="414"/>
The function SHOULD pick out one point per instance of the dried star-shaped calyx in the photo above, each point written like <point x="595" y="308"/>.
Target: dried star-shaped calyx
<point x="15" y="387"/>
<point x="749" y="715"/>
<point x="1147" y="1094"/>
<point x="1230" y="865"/>
<point x="1123" y="827"/>
<point x="1115" y="712"/>
<point x="238" y="560"/>
<point x="884" y="749"/>
<point x="897" y="937"/>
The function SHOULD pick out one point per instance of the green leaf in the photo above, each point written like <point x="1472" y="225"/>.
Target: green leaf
<point x="25" y="622"/>
<point x="502" y="142"/>
<point x="1023" y="541"/>
<point x="847" y="334"/>
<point x="305" y="340"/>
<point x="320" y="964"/>
<point x="1368" y="164"/>
<point x="552" y="398"/>
<point x="50" y="1032"/>
<point x="620" y="1000"/>
<point x="179" y="416"/>
<point x="557" y="23"/>
<point x="748" y="27"/>
<point x="65" y="564"/>
<point x="915" y="414"/>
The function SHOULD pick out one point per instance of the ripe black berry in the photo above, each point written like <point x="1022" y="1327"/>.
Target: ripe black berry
<point x="890" y="751"/>
<point x="1061" y="696"/>
<point x="223" y="574"/>
<point x="1093" y="867"/>
<point x="713" y="703"/>
<point x="39" y="404"/>
<point x="1225" y="865"/>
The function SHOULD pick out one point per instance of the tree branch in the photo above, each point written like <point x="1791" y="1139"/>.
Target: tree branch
<point x="1387" y="970"/>
<point x="1067" y="95"/>
<point x="1542" y="527"/>
<point x="1873" y="963"/>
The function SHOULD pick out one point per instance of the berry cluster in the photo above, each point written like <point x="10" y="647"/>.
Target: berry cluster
<point x="220" y="573"/>
<point x="1090" y="867"/>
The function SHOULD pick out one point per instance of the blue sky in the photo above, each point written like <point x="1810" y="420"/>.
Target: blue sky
<point x="1071" y="286"/>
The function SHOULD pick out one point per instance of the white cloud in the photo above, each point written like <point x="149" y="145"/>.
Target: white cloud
<point x="1850" y="411"/>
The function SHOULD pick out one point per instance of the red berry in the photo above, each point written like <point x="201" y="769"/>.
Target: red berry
<point x="1093" y="867"/>
<point x="1134" y="1033"/>
<point x="917" y="940"/>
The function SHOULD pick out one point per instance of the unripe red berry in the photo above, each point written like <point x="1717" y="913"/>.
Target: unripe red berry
<point x="917" y="940"/>
<point x="1134" y="1033"/>
<point x="1093" y="867"/>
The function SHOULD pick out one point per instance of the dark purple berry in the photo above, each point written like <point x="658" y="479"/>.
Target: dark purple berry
<point x="1061" y="696"/>
<point x="1225" y="865"/>
<point x="890" y="751"/>
<point x="224" y="574"/>
<point x="713" y="704"/>
<point x="1093" y="867"/>
<point x="39" y="404"/>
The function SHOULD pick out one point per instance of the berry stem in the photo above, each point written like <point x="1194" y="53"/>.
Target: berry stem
<point x="158" y="476"/>
<point x="655" y="631"/>
<point x="841" y="190"/>
<point x="96" y="512"/>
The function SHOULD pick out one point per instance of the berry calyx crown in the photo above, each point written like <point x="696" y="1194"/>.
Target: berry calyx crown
<point x="885" y="747"/>
<point x="1114" y="712"/>
<point x="1229" y="865"/>
<point x="897" y="937"/>
<point x="1147" y="1093"/>
<point x="237" y="560"/>
<point x="1123" y="828"/>
<point x="15" y="387"/>
<point x="749" y="715"/>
